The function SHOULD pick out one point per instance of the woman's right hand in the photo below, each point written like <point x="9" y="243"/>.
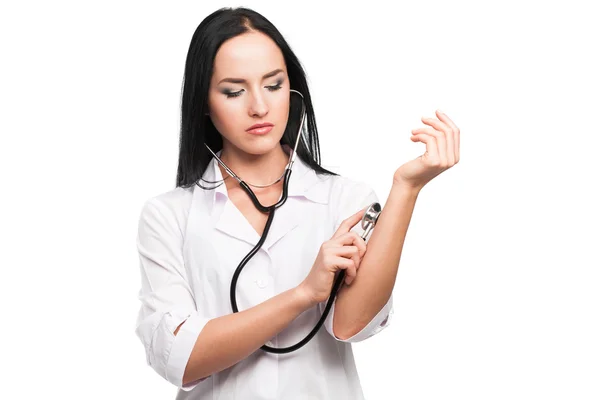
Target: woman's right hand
<point x="344" y="250"/>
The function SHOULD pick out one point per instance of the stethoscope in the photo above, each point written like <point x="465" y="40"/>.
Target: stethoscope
<point x="368" y="222"/>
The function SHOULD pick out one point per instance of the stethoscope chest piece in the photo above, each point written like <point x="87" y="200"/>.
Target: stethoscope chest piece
<point x="368" y="222"/>
<point x="369" y="219"/>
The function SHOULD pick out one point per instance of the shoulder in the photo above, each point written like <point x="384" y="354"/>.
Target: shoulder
<point x="344" y="188"/>
<point x="347" y="196"/>
<point x="170" y="209"/>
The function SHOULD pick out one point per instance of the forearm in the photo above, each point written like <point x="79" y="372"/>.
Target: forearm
<point x="226" y="340"/>
<point x="356" y="305"/>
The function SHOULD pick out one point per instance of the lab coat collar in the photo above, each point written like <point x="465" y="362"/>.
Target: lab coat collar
<point x="304" y="183"/>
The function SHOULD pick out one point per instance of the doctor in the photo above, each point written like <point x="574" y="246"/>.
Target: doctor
<point x="239" y="73"/>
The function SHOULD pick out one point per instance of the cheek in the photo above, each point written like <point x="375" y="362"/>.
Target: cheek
<point x="284" y="110"/>
<point x="221" y="112"/>
<point x="281" y="112"/>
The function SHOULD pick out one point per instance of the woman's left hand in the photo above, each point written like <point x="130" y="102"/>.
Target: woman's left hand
<point x="442" y="139"/>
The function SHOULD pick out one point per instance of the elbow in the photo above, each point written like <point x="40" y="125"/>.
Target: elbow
<point x="188" y="381"/>
<point x="343" y="330"/>
<point x="344" y="333"/>
<point x="169" y="340"/>
<point x="193" y="375"/>
<point x="184" y="373"/>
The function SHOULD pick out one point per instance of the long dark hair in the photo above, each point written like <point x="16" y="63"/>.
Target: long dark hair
<point x="196" y="126"/>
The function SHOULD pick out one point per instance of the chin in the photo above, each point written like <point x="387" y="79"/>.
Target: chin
<point x="261" y="145"/>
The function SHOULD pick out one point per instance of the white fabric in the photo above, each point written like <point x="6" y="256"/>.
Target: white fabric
<point x="190" y="242"/>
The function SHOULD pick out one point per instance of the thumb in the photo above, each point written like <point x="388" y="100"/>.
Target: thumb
<point x="350" y="222"/>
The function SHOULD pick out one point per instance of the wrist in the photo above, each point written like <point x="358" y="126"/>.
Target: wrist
<point x="304" y="300"/>
<point x="404" y="187"/>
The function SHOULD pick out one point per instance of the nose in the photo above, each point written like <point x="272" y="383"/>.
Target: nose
<point x="258" y="106"/>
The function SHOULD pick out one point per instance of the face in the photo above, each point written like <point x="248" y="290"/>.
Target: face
<point x="246" y="89"/>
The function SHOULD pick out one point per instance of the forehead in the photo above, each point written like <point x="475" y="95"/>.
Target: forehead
<point x="250" y="55"/>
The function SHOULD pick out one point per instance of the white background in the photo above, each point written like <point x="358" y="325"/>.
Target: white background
<point x="497" y="295"/>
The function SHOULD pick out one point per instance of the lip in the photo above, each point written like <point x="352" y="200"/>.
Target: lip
<point x="264" y="124"/>
<point x="261" y="131"/>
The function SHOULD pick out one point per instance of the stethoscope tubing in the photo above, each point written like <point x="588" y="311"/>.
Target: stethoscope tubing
<point x="336" y="286"/>
<point x="271" y="211"/>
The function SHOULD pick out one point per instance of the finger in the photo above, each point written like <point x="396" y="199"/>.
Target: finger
<point x="342" y="262"/>
<point x="450" y="137"/>
<point x="431" y="154"/>
<point x="448" y="121"/>
<point x="457" y="147"/>
<point x="446" y="131"/>
<point x="440" y="131"/>
<point x="350" y="275"/>
<point x="437" y="124"/>
<point x="346" y="251"/>
<point x="455" y="132"/>
<point x="349" y="223"/>
<point x="351" y="238"/>
<point x="351" y="252"/>
<point x="437" y="140"/>
<point x="350" y="268"/>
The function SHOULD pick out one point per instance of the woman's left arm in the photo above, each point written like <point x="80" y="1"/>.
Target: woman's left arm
<point x="357" y="304"/>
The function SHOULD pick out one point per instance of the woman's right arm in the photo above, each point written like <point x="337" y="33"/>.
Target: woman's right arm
<point x="226" y="340"/>
<point x="182" y="344"/>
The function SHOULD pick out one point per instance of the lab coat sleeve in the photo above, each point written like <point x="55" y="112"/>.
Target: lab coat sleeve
<point x="165" y="295"/>
<point x="348" y="198"/>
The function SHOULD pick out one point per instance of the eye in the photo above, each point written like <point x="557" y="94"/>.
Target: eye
<point x="275" y="87"/>
<point x="233" y="94"/>
<point x="271" y="88"/>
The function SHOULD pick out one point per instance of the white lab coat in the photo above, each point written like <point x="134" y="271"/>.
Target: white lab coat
<point x="190" y="242"/>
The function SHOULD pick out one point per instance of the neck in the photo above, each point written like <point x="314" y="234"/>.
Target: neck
<point x="261" y="169"/>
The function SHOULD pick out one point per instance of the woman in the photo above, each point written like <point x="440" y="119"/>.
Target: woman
<point x="240" y="72"/>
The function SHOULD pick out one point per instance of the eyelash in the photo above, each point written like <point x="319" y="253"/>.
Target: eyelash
<point x="273" y="88"/>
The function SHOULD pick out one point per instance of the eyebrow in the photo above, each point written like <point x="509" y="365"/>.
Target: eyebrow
<point x="239" y="80"/>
